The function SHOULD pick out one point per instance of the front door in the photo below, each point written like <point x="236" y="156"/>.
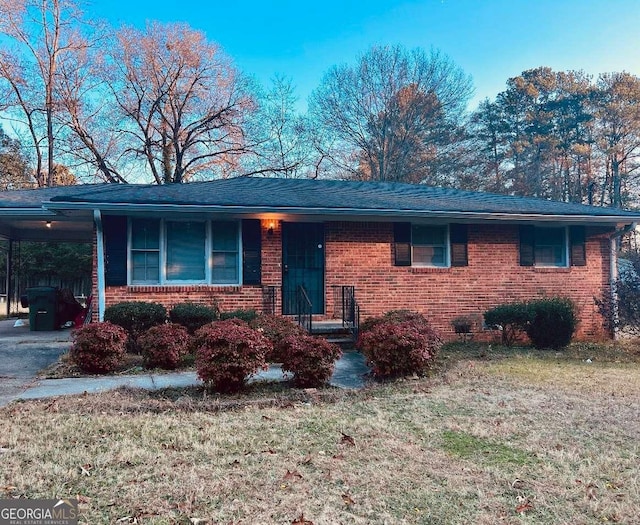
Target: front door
<point x="302" y="264"/>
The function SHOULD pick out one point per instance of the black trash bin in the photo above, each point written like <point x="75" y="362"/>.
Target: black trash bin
<point x="43" y="308"/>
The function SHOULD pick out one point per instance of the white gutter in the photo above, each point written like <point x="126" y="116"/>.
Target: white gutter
<point x="100" y="270"/>
<point x="27" y="212"/>
<point x="613" y="272"/>
<point x="390" y="213"/>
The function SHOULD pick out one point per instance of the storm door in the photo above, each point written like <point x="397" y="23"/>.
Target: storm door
<point x="302" y="264"/>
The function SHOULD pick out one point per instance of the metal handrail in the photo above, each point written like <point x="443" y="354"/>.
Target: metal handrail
<point x="350" y="310"/>
<point x="304" y="309"/>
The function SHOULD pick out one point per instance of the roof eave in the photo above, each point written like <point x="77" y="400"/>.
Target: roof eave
<point x="342" y="213"/>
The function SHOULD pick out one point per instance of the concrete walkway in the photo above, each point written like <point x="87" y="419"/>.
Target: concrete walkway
<point x="350" y="372"/>
<point x="24" y="353"/>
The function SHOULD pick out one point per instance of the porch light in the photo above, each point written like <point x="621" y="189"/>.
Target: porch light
<point x="271" y="226"/>
<point x="48" y="224"/>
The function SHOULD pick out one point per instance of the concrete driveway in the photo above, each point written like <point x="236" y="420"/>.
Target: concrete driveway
<point x="23" y="353"/>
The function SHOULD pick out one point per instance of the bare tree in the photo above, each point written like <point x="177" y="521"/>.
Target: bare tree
<point x="283" y="138"/>
<point x="386" y="117"/>
<point x="184" y="105"/>
<point x="42" y="33"/>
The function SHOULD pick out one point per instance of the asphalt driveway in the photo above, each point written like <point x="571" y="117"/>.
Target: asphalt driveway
<point x="23" y="353"/>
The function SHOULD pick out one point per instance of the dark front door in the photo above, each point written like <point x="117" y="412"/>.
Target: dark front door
<point x="302" y="264"/>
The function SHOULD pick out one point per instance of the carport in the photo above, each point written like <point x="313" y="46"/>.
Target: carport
<point x="24" y="218"/>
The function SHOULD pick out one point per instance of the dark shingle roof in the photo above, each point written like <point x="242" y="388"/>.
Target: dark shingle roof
<point x="304" y="194"/>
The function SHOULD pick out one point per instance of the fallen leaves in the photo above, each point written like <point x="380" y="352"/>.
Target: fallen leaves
<point x="524" y="506"/>
<point x="300" y="520"/>
<point x="289" y="475"/>
<point x="347" y="440"/>
<point x="348" y="499"/>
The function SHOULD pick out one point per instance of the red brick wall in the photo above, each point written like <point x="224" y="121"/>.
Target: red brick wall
<point x="360" y="255"/>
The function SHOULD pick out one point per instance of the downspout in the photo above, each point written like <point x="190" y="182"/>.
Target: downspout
<point x="613" y="272"/>
<point x="97" y="218"/>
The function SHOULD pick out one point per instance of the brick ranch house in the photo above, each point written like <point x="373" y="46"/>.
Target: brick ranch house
<point x="254" y="242"/>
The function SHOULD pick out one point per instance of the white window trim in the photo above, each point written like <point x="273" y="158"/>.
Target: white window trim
<point x="567" y="254"/>
<point x="447" y="248"/>
<point x="163" y="281"/>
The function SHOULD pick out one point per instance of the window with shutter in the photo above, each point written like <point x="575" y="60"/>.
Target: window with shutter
<point x="166" y="252"/>
<point x="552" y="246"/>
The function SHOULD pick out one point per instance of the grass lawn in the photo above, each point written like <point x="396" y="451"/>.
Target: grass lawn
<point x="494" y="436"/>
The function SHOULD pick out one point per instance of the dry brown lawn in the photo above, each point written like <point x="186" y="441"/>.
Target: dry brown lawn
<point x="492" y="437"/>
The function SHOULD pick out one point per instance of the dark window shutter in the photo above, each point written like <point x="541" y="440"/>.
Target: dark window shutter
<point x="527" y="253"/>
<point x="251" y="248"/>
<point x="458" y="238"/>
<point x="578" y="252"/>
<point x="114" y="229"/>
<point x="402" y="244"/>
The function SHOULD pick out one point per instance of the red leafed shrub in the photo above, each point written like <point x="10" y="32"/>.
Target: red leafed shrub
<point x="163" y="346"/>
<point x="227" y="352"/>
<point x="310" y="359"/>
<point x="394" y="316"/>
<point x="99" y="348"/>
<point x="394" y="349"/>
<point x="276" y="329"/>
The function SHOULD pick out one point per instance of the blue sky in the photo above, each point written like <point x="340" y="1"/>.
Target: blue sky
<point x="491" y="40"/>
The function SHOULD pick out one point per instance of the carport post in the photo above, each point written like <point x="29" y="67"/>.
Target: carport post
<point x="9" y="277"/>
<point x="97" y="217"/>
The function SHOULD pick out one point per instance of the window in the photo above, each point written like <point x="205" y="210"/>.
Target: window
<point x="429" y="245"/>
<point x="185" y="252"/>
<point x="550" y="246"/>
<point x="224" y="252"/>
<point x="440" y="246"/>
<point x="145" y="251"/>
<point x="165" y="252"/>
<point x="555" y="247"/>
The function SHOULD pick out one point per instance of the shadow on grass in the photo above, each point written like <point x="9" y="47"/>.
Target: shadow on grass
<point x="627" y="351"/>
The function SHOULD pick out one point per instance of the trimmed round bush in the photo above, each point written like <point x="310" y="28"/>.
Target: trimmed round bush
<point x="276" y="328"/>
<point x="227" y="352"/>
<point x="553" y="322"/>
<point x="310" y="359"/>
<point x="512" y="318"/>
<point x="244" y="315"/>
<point x="164" y="346"/>
<point x="136" y="317"/>
<point x="399" y="348"/>
<point x="193" y="316"/>
<point x="99" y="348"/>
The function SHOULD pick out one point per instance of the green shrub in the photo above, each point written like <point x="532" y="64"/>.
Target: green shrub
<point x="136" y="317"/>
<point x="193" y="316"/>
<point x="227" y="352"/>
<point x="310" y="359"/>
<point x="512" y="318"/>
<point x="164" y="346"/>
<point x="553" y="322"/>
<point x="399" y="345"/>
<point x="276" y="328"/>
<point x="245" y="315"/>
<point x="99" y="348"/>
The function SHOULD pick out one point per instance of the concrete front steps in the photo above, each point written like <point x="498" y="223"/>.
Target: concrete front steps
<point x="334" y="332"/>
